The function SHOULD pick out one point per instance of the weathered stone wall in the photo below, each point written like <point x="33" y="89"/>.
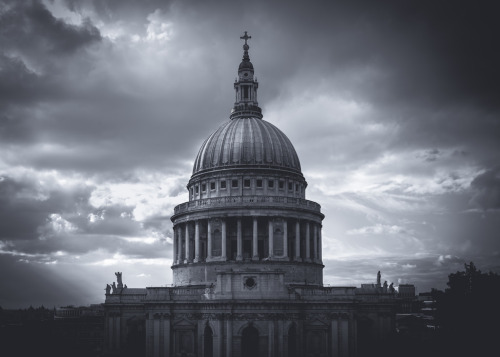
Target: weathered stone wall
<point x="205" y="273"/>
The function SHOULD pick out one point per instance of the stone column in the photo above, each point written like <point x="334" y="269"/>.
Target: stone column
<point x="156" y="336"/>
<point x="209" y="240"/>
<point x="223" y="255"/>
<point x="315" y="242"/>
<point x="196" y="241"/>
<point x="229" y="337"/>
<point x="335" y="338"/>
<point x="285" y="238"/>
<point x="166" y="335"/>
<point x="149" y="335"/>
<point x="179" y="243"/>
<point x="271" y="238"/>
<point x="344" y="337"/>
<point x="297" y="241"/>
<point x="187" y="258"/>
<point x="117" y="326"/>
<point x="239" y="240"/>
<point x="218" y="337"/>
<point x="320" y="245"/>
<point x="174" y="240"/>
<point x="271" y="338"/>
<point x="308" y="242"/>
<point x="255" y="245"/>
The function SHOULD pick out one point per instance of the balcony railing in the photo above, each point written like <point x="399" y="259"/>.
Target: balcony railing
<point x="247" y="201"/>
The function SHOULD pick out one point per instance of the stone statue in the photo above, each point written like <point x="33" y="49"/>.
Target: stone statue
<point x="125" y="286"/>
<point x="119" y="279"/>
<point x="378" y="278"/>
<point x="391" y="288"/>
<point x="108" y="289"/>
<point x="113" y="287"/>
<point x="385" y="286"/>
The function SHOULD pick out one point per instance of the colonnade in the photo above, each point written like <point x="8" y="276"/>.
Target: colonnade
<point x="247" y="238"/>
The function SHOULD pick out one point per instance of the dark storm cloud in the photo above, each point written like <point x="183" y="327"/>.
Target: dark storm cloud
<point x="486" y="188"/>
<point x="29" y="27"/>
<point x="25" y="206"/>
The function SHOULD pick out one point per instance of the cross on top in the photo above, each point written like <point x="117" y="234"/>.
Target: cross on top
<point x="245" y="37"/>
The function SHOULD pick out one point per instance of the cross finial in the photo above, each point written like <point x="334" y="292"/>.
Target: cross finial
<point x="245" y="37"/>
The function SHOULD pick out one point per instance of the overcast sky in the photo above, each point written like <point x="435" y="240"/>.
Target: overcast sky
<point x="393" y="108"/>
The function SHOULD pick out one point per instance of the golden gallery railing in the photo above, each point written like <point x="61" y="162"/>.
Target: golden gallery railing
<point x="247" y="201"/>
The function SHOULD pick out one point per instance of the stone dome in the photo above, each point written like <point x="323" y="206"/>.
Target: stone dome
<point x="245" y="65"/>
<point x="243" y="142"/>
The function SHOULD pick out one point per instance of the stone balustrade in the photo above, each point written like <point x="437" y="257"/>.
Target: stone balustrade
<point x="247" y="201"/>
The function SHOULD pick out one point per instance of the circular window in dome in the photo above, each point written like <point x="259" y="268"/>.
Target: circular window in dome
<point x="246" y="74"/>
<point x="250" y="283"/>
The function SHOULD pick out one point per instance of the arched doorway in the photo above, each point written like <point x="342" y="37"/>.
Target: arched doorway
<point x="292" y="342"/>
<point x="208" y="345"/>
<point x="250" y="342"/>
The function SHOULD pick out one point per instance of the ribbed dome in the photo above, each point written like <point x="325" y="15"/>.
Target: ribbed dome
<point x="247" y="142"/>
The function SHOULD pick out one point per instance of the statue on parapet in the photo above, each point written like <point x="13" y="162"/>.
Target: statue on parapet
<point x="119" y="280"/>
<point x="108" y="289"/>
<point x="379" y="276"/>
<point x="385" y="286"/>
<point x="113" y="287"/>
<point x="391" y="288"/>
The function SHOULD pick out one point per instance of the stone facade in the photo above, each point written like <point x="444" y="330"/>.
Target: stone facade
<point x="247" y="260"/>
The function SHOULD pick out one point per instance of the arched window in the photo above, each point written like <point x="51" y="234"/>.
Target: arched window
<point x="208" y="345"/>
<point x="250" y="342"/>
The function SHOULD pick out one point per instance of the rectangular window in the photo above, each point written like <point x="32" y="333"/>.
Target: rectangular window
<point x="203" y="187"/>
<point x="281" y="184"/>
<point x="234" y="184"/>
<point x="245" y="92"/>
<point x="290" y="186"/>
<point x="296" y="187"/>
<point x="270" y="183"/>
<point x="259" y="183"/>
<point x="212" y="185"/>
<point x="223" y="184"/>
<point x="246" y="183"/>
<point x="196" y="189"/>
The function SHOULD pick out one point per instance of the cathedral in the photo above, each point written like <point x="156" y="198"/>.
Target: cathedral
<point x="247" y="260"/>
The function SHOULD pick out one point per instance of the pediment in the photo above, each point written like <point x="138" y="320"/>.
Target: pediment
<point x="183" y="323"/>
<point x="316" y="323"/>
